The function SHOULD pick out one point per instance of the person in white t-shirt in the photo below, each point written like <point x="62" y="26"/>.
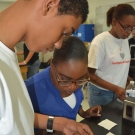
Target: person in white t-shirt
<point x="42" y="25"/>
<point x="109" y="57"/>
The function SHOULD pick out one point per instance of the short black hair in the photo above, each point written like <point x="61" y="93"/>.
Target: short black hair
<point x="74" y="7"/>
<point x="118" y="12"/>
<point x="72" y="49"/>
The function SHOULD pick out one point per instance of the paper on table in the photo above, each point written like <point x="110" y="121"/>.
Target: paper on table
<point x="107" y="124"/>
<point x="110" y="133"/>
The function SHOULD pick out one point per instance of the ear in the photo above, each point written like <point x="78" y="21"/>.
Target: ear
<point x="114" y="22"/>
<point x="49" y="5"/>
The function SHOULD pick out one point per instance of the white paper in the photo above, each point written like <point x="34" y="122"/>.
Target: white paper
<point x="107" y="124"/>
<point x="110" y="133"/>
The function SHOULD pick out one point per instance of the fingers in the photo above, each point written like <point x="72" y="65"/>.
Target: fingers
<point x="86" y="130"/>
<point x="100" y="108"/>
<point x="93" y="111"/>
<point x="122" y="96"/>
<point x="73" y="127"/>
<point x="21" y="63"/>
<point x="96" y="109"/>
<point x="95" y="114"/>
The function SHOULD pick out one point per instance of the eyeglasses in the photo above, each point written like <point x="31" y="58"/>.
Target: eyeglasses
<point x="128" y="30"/>
<point x="67" y="83"/>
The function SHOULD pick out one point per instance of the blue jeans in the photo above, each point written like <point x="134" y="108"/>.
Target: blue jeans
<point x="97" y="96"/>
<point x="33" y="69"/>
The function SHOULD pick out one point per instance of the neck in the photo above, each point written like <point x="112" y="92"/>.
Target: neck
<point x="112" y="32"/>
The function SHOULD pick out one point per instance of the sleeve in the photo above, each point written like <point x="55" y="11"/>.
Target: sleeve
<point x="96" y="54"/>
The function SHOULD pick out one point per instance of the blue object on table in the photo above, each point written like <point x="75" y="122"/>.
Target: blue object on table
<point x="85" y="32"/>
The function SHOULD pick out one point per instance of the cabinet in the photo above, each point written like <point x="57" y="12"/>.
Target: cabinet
<point x="24" y="70"/>
<point x="85" y="32"/>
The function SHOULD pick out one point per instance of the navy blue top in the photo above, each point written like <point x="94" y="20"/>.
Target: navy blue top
<point x="46" y="98"/>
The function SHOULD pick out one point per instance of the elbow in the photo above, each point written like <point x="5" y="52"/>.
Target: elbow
<point x="93" y="77"/>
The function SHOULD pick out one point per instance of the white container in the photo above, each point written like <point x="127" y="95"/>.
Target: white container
<point x="130" y="93"/>
<point x="130" y="90"/>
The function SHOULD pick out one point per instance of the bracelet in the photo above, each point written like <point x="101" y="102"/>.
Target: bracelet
<point x="24" y="62"/>
<point x="50" y="124"/>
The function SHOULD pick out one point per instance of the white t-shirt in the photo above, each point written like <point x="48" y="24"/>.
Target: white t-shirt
<point x="71" y="100"/>
<point x="111" y="57"/>
<point x="16" y="111"/>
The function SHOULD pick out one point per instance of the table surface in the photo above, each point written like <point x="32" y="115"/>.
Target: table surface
<point x="113" y="111"/>
<point x="24" y="68"/>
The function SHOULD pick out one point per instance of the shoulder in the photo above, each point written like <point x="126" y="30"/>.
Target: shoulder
<point x="38" y="78"/>
<point x="99" y="39"/>
<point x="102" y="35"/>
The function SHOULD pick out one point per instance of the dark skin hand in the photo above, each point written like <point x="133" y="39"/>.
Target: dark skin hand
<point x="91" y="112"/>
<point x="121" y="93"/>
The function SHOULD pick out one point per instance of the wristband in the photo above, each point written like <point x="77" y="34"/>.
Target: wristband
<point x="24" y="62"/>
<point x="50" y="124"/>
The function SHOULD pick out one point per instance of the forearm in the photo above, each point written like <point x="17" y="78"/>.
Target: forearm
<point x="29" y="57"/>
<point x="41" y="122"/>
<point x="81" y="112"/>
<point x="20" y="53"/>
<point x="129" y="79"/>
<point x="61" y="124"/>
<point x="102" y="83"/>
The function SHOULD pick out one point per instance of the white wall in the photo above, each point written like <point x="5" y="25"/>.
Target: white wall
<point x="97" y="3"/>
<point x="4" y="5"/>
<point x="92" y="6"/>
